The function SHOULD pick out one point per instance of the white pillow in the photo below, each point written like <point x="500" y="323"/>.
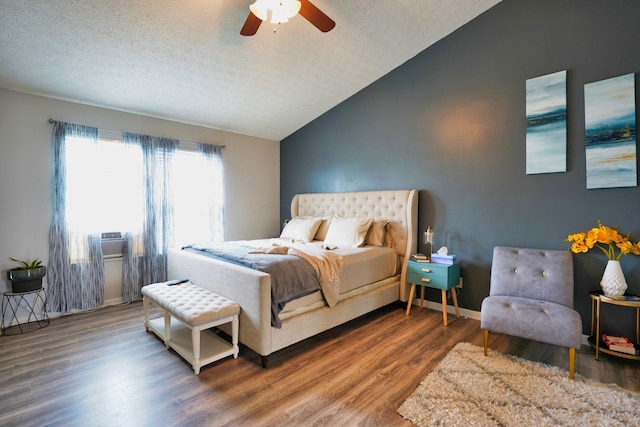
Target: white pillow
<point x="301" y="229"/>
<point x="347" y="232"/>
<point x="376" y="234"/>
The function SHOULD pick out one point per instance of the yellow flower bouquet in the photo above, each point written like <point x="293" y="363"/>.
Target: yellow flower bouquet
<point x="607" y="239"/>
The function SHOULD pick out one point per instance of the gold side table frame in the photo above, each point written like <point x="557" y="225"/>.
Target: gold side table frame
<point x="597" y="299"/>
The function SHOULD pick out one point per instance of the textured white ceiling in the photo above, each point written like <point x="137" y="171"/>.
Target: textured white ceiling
<point x="185" y="60"/>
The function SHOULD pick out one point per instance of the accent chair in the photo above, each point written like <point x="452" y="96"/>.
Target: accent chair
<point x="531" y="296"/>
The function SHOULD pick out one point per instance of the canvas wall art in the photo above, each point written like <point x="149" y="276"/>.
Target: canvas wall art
<point x="610" y="132"/>
<point x="547" y="124"/>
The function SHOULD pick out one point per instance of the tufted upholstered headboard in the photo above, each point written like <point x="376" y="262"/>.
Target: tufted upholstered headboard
<point x="400" y="207"/>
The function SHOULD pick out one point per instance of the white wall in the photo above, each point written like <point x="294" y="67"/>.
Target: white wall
<point x="252" y="171"/>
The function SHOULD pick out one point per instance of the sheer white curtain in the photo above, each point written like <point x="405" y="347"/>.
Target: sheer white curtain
<point x="148" y="189"/>
<point x="182" y="203"/>
<point x="145" y="249"/>
<point x="197" y="186"/>
<point x="75" y="269"/>
<point x="213" y="163"/>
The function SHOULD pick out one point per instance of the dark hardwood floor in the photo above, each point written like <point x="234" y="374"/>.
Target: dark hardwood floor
<point x="103" y="369"/>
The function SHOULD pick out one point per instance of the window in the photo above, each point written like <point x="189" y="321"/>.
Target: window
<point x="197" y="198"/>
<point x="104" y="186"/>
<point x="105" y="190"/>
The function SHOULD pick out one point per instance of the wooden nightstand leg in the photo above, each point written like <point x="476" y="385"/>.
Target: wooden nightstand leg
<point x="422" y="297"/>
<point x="444" y="306"/>
<point x="411" y="293"/>
<point x="455" y="301"/>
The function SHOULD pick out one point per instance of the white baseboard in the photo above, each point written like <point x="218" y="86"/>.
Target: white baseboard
<point x="112" y="301"/>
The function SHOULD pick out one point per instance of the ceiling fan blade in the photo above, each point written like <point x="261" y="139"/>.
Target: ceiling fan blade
<point x="316" y="16"/>
<point x="251" y="25"/>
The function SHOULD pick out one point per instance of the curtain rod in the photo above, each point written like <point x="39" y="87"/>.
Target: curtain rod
<point x="52" y="121"/>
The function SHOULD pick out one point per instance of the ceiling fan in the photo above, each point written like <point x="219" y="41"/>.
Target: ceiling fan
<point x="282" y="11"/>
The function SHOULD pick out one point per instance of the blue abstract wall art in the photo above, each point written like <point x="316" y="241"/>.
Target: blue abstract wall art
<point x="610" y="132"/>
<point x="547" y="124"/>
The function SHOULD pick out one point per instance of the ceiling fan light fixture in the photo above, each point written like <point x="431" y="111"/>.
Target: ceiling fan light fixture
<point x="281" y="10"/>
<point x="260" y="9"/>
<point x="290" y="7"/>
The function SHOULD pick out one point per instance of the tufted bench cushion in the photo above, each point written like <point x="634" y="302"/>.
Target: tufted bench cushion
<point x="190" y="303"/>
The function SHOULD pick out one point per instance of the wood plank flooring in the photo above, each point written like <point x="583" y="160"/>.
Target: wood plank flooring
<point x="103" y="369"/>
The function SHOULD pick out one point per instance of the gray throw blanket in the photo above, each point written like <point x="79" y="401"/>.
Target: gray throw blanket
<point x="291" y="276"/>
<point x="327" y="265"/>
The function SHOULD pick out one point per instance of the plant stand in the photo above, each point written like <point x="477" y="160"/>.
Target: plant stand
<point x="11" y="303"/>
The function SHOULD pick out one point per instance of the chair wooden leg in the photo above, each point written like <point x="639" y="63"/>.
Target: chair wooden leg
<point x="572" y="362"/>
<point x="485" y="336"/>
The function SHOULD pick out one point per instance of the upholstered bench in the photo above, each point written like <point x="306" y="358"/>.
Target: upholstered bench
<point x="189" y="310"/>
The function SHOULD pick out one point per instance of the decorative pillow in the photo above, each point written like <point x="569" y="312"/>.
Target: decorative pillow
<point x="321" y="234"/>
<point x="388" y="239"/>
<point x="347" y="232"/>
<point x="376" y="234"/>
<point x="323" y="228"/>
<point x="302" y="229"/>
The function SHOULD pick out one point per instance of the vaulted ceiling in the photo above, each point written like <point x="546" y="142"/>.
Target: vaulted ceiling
<point x="185" y="60"/>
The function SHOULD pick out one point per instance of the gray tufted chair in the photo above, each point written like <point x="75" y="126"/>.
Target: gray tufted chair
<point x="531" y="296"/>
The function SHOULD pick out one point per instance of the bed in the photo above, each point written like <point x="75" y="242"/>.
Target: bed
<point x="362" y="290"/>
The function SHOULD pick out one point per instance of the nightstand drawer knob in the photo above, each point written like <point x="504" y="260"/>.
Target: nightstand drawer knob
<point x="425" y="280"/>
<point x="426" y="270"/>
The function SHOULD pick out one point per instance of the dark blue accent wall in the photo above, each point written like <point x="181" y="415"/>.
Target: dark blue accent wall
<point x="451" y="123"/>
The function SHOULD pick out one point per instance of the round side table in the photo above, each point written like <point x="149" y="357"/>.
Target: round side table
<point x="595" y="340"/>
<point x="29" y="301"/>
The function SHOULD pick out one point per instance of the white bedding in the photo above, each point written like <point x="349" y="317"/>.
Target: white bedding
<point x="361" y="266"/>
<point x="365" y="265"/>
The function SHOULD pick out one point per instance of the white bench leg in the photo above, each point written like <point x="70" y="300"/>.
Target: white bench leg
<point x="195" y="339"/>
<point x="234" y="336"/>
<point x="167" y="329"/>
<point x="145" y="305"/>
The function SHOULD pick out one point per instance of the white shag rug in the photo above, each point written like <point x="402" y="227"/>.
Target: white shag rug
<point x="469" y="389"/>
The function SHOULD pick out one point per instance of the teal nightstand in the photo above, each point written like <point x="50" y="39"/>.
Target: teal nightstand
<point x="434" y="275"/>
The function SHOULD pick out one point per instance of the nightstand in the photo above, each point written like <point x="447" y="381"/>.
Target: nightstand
<point x="434" y="275"/>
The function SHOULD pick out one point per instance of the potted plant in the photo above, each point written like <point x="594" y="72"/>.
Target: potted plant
<point x="28" y="276"/>
<point x="614" y="245"/>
